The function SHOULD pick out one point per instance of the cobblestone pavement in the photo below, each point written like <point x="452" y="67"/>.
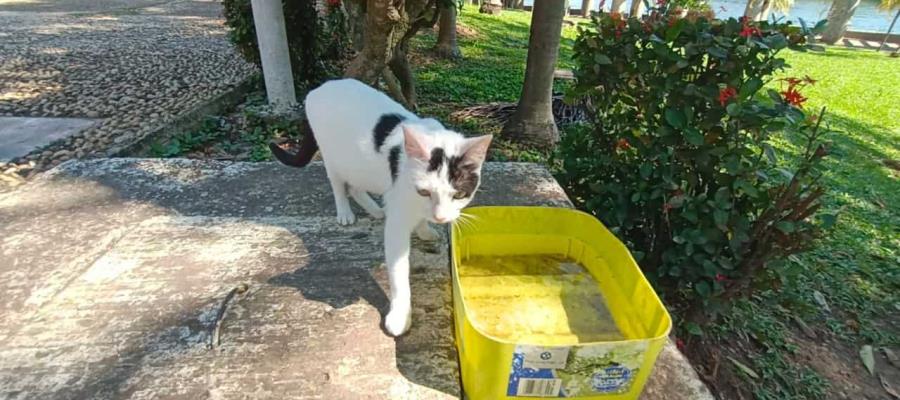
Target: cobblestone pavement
<point x="131" y="64"/>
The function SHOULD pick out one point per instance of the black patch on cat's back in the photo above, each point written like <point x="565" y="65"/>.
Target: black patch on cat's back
<point x="394" y="161"/>
<point x="463" y="175"/>
<point x="436" y="160"/>
<point x="385" y="125"/>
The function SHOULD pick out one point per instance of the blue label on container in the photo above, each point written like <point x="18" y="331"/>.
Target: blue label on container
<point x="610" y="379"/>
<point x="578" y="371"/>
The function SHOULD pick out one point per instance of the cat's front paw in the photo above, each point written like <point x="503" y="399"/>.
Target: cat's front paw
<point x="345" y="217"/>
<point x="397" y="322"/>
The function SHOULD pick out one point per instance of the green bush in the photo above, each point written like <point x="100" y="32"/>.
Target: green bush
<point x="677" y="159"/>
<point x="318" y="46"/>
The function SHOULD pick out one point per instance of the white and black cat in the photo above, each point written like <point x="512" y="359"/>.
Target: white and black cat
<point x="371" y="144"/>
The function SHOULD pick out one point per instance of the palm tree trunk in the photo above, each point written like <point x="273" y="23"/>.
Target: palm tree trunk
<point x="586" y="6"/>
<point x="616" y="6"/>
<point x="838" y="19"/>
<point x="890" y="28"/>
<point x="533" y="123"/>
<point x="758" y="10"/>
<point x="446" y="42"/>
<point x="636" y="8"/>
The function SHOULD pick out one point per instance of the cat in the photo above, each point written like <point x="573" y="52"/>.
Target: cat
<point x="371" y="144"/>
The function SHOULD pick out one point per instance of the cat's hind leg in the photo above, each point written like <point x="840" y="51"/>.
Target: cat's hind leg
<point x="345" y="214"/>
<point x="367" y="202"/>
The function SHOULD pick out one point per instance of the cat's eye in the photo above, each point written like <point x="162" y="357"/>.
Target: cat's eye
<point x="460" y="195"/>
<point x="424" y="193"/>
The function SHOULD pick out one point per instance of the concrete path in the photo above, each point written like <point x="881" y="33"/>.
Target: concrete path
<point x="20" y="135"/>
<point x="112" y="272"/>
<point x="132" y="64"/>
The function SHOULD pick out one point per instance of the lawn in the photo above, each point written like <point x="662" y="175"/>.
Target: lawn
<point x="788" y="339"/>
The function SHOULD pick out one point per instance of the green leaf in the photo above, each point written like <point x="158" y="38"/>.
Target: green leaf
<point x="750" y="87"/>
<point x="786" y="226"/>
<point x="733" y="109"/>
<point x="678" y="239"/>
<point x="770" y="152"/>
<point x="775" y="96"/>
<point x="673" y="32"/>
<point x="693" y="136"/>
<point x="717" y="52"/>
<point x="602" y="59"/>
<point x="645" y="170"/>
<point x="703" y="289"/>
<point x="787" y="174"/>
<point x="746" y="187"/>
<point x="693" y="329"/>
<point x="636" y="197"/>
<point x="828" y="220"/>
<point x="675" y="117"/>
<point x="722" y="196"/>
<point x="745" y="369"/>
<point x="868" y="358"/>
<point x="721" y="219"/>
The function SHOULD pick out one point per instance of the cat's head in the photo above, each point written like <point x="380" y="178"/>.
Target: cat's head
<point x="446" y="170"/>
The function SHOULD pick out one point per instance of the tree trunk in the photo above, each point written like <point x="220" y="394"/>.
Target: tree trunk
<point x="388" y="30"/>
<point x="381" y="17"/>
<point x="533" y="123"/>
<point x="758" y="10"/>
<point x="446" y="42"/>
<point x="586" y="6"/>
<point x="636" y="8"/>
<point x="356" y="22"/>
<point x="492" y="7"/>
<point x="617" y="6"/>
<point x="890" y="28"/>
<point x="838" y="19"/>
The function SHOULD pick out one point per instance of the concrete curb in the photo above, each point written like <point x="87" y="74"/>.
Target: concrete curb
<point x="186" y="121"/>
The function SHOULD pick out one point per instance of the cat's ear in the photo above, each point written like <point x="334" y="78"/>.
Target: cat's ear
<point x="475" y="149"/>
<point x="414" y="144"/>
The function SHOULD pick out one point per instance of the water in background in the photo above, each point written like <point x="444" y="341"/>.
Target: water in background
<point x="868" y="18"/>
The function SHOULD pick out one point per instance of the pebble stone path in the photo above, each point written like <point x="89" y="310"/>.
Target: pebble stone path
<point x="133" y="65"/>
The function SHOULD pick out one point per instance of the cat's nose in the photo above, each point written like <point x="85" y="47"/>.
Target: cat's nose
<point x="441" y="219"/>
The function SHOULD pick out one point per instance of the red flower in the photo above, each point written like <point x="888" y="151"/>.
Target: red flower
<point x="667" y="207"/>
<point x="333" y="3"/>
<point x="749" y="31"/>
<point x="726" y="94"/>
<point x="720" y="277"/>
<point x="679" y="344"/>
<point x="661" y="3"/>
<point x="623" y="144"/>
<point x="793" y="97"/>
<point x="615" y="16"/>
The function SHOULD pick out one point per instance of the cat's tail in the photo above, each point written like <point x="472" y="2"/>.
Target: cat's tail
<point x="308" y="148"/>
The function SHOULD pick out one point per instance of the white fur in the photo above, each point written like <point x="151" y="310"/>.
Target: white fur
<point x="343" y="114"/>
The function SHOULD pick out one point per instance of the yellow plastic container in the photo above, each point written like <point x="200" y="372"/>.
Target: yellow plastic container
<point x="494" y="368"/>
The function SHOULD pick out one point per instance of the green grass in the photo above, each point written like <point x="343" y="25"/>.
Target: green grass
<point x="854" y="266"/>
<point x="493" y="64"/>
